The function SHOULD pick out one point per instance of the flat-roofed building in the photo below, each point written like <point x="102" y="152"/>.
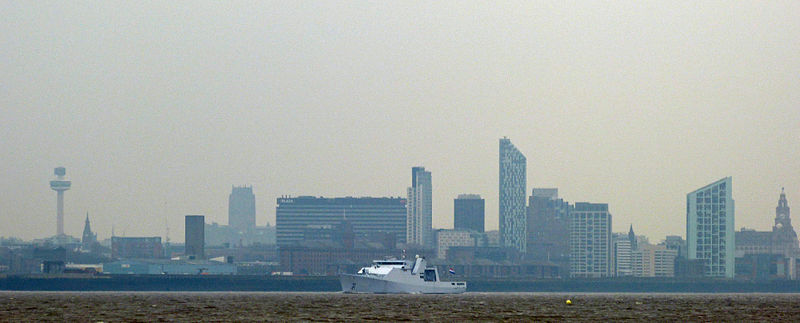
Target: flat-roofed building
<point x="548" y="228"/>
<point x="445" y="239"/>
<point x="469" y="212"/>
<point x="195" y="236"/>
<point x="622" y="255"/>
<point x="590" y="241"/>
<point x="297" y="217"/>
<point x="136" y="247"/>
<point x="653" y="261"/>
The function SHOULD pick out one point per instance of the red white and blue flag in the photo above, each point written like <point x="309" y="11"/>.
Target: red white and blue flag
<point x="452" y="271"/>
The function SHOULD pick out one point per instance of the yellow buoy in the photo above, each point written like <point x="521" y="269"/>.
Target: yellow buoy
<point x="569" y="302"/>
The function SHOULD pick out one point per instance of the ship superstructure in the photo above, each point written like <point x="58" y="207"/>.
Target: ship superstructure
<point x="399" y="277"/>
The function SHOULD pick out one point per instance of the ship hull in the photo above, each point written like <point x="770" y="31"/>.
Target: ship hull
<point x="380" y="285"/>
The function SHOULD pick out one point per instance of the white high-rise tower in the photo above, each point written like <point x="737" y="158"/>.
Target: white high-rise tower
<point x="709" y="228"/>
<point x="60" y="184"/>
<point x="419" y="219"/>
<point x="513" y="220"/>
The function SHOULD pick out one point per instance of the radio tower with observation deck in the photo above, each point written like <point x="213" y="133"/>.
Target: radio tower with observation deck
<point x="60" y="184"/>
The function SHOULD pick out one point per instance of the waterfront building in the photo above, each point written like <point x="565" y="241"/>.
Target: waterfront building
<point x="768" y="251"/>
<point x="419" y="218"/>
<point x="548" y="228"/>
<point x="224" y="235"/>
<point x="752" y="242"/>
<point x="512" y="183"/>
<point x="168" y="267"/>
<point x="676" y="243"/>
<point x="493" y="263"/>
<point x="195" y="234"/>
<point x="622" y="255"/>
<point x="136" y="247"/>
<point x="710" y="227"/>
<point x="298" y="216"/>
<point x="468" y="212"/>
<point x="321" y="258"/>
<point x="445" y="239"/>
<point x="493" y="238"/>
<point x="764" y="267"/>
<point x="653" y="261"/>
<point x="590" y="240"/>
<point x="784" y="238"/>
<point x="664" y="261"/>
<point x="242" y="209"/>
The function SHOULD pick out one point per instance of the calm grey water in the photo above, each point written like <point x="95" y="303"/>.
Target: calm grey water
<point x="237" y="306"/>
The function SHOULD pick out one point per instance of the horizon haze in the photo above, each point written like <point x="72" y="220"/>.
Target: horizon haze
<point x="157" y="109"/>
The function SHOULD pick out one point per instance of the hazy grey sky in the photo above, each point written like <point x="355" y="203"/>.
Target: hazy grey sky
<point x="157" y="109"/>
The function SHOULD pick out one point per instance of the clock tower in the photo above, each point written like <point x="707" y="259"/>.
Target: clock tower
<point x="784" y="238"/>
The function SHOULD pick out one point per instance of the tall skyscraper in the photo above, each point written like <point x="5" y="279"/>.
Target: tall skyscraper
<point x="419" y="219"/>
<point x="513" y="222"/>
<point x="242" y="209"/>
<point x="710" y="228"/>
<point x="60" y="184"/>
<point x="590" y="241"/>
<point x="297" y="217"/>
<point x="195" y="236"/>
<point x="548" y="228"/>
<point x="468" y="212"/>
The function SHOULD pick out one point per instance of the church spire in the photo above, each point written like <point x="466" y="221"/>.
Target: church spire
<point x="86" y="226"/>
<point x="632" y="239"/>
<point x="88" y="236"/>
<point x="784" y="238"/>
<point x="782" y="200"/>
<point x="782" y="211"/>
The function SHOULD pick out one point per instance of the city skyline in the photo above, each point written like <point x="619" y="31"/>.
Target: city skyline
<point x="434" y="227"/>
<point x="156" y="115"/>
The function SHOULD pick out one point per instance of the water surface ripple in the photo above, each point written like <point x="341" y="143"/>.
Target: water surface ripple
<point x="237" y="306"/>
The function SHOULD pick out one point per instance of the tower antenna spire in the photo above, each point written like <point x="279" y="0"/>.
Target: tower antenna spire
<point x="166" y="224"/>
<point x="60" y="184"/>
